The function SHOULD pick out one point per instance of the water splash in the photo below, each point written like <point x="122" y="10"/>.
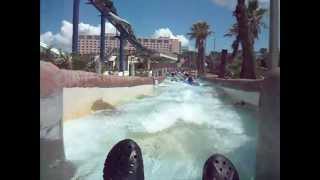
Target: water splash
<point x="177" y="129"/>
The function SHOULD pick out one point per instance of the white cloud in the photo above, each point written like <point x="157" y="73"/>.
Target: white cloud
<point x="63" y="39"/>
<point x="166" y="32"/>
<point x="226" y="3"/>
<point x="184" y="41"/>
<point x="231" y="4"/>
<point x="163" y="32"/>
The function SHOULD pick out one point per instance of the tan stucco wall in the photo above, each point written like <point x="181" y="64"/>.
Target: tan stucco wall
<point x="77" y="102"/>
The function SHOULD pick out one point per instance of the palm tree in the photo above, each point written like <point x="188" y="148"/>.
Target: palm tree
<point x="64" y="60"/>
<point x="47" y="55"/>
<point x="234" y="31"/>
<point x="200" y="31"/>
<point x="246" y="30"/>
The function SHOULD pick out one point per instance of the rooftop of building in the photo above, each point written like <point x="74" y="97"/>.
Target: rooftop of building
<point x="112" y="34"/>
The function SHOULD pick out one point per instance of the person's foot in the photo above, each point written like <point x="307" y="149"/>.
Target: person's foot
<point x="124" y="162"/>
<point x="218" y="167"/>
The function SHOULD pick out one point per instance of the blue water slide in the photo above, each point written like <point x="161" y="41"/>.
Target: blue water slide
<point x="123" y="26"/>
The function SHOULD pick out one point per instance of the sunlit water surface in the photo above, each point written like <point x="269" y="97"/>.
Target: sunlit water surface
<point x="177" y="130"/>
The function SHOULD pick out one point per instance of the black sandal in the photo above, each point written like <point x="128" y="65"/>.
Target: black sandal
<point x="218" y="167"/>
<point x="124" y="162"/>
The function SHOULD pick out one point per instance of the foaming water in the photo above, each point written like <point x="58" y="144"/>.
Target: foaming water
<point x="177" y="130"/>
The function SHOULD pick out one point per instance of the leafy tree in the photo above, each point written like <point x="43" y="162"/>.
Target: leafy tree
<point x="79" y="62"/>
<point x="246" y="30"/>
<point x="47" y="55"/>
<point x="234" y="68"/>
<point x="200" y="31"/>
<point x="64" y="60"/>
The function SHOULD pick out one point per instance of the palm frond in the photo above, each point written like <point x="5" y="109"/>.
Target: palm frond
<point x="261" y="11"/>
<point x="235" y="46"/>
<point x="199" y="31"/>
<point x="253" y="5"/>
<point x="228" y="34"/>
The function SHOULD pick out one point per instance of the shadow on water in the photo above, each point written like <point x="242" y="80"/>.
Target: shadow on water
<point x="249" y="113"/>
<point x="243" y="157"/>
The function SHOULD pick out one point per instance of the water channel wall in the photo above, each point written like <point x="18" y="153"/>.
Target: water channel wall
<point x="75" y="107"/>
<point x="266" y="94"/>
<point x="55" y="82"/>
<point x="71" y="87"/>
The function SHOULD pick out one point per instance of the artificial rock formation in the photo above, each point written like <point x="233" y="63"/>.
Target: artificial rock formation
<point x="52" y="79"/>
<point x="53" y="163"/>
<point x="101" y="105"/>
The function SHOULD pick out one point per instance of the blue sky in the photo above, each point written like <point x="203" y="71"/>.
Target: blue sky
<point x="174" y="17"/>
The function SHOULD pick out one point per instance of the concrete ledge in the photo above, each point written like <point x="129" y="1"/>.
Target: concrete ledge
<point x="250" y="97"/>
<point x="251" y="85"/>
<point x="52" y="79"/>
<point x="81" y="89"/>
<point x="52" y="82"/>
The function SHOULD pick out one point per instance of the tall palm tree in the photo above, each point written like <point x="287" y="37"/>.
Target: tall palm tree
<point x="200" y="31"/>
<point x="246" y="30"/>
<point x="234" y="31"/>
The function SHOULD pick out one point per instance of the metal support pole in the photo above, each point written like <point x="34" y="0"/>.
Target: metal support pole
<point x="121" y="53"/>
<point x="102" y="41"/>
<point x="274" y="34"/>
<point x="76" y="4"/>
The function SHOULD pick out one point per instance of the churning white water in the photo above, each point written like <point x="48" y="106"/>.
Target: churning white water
<point x="177" y="130"/>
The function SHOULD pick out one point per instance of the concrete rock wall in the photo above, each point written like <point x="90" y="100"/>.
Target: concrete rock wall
<point x="268" y="146"/>
<point x="53" y="80"/>
<point x="250" y="85"/>
<point x="77" y="102"/>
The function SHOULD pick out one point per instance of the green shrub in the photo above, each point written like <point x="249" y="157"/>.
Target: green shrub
<point x="79" y="62"/>
<point x="233" y="69"/>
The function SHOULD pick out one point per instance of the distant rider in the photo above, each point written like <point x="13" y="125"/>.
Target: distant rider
<point x="190" y="80"/>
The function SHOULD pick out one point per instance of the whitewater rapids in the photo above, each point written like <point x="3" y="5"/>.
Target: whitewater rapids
<point x="177" y="130"/>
